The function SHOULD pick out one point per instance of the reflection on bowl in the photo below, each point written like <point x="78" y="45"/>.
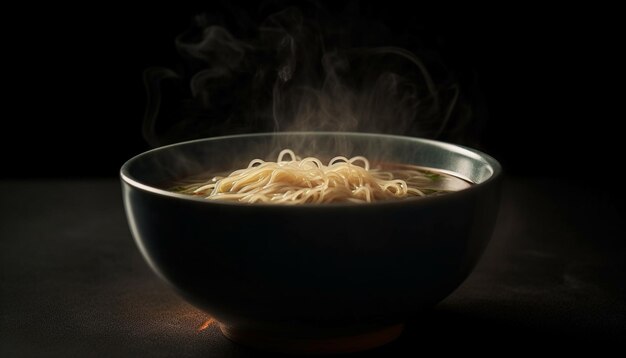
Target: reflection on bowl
<point x="324" y="278"/>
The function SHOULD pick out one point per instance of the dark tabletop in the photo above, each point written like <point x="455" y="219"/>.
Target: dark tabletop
<point x="72" y="282"/>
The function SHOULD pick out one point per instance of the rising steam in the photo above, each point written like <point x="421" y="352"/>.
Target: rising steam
<point x="293" y="74"/>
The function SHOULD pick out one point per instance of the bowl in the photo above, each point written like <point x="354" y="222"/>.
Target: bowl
<point x="323" y="278"/>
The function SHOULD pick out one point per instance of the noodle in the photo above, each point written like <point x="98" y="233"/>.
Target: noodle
<point x="291" y="180"/>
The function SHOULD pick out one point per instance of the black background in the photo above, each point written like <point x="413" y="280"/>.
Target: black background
<point x="71" y="279"/>
<point x="76" y="97"/>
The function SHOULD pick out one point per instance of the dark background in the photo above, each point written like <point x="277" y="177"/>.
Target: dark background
<point x="541" y="76"/>
<point x="73" y="281"/>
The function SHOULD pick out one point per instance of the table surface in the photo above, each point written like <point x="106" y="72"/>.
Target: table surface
<point x="72" y="282"/>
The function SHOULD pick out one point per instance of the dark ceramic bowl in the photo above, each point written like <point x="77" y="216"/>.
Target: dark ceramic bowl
<point x="317" y="277"/>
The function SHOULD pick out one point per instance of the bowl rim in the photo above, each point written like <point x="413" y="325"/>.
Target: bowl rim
<point x="496" y="169"/>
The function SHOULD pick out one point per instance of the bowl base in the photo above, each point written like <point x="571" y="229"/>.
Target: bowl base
<point x="345" y="343"/>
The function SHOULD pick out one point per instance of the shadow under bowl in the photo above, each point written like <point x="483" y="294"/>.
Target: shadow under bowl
<point x="323" y="278"/>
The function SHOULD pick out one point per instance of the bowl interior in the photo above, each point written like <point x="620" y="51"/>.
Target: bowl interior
<point x="164" y="165"/>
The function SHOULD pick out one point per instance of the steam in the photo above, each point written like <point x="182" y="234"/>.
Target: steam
<point x="294" y="75"/>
